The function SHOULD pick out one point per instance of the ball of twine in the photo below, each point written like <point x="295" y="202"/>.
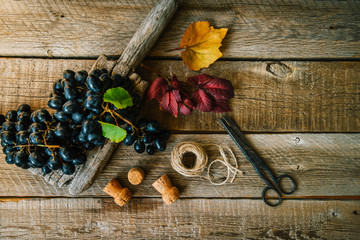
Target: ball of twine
<point x="189" y="147"/>
<point x="201" y="161"/>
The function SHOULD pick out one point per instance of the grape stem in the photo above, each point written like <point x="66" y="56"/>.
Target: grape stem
<point x="154" y="71"/>
<point x="124" y="119"/>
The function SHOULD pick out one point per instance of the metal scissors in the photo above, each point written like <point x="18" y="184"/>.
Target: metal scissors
<point x="264" y="171"/>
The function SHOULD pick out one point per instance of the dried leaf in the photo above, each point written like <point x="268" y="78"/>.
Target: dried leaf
<point x="212" y="93"/>
<point x="201" y="42"/>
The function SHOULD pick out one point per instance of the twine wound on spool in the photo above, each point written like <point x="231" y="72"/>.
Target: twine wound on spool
<point x="201" y="161"/>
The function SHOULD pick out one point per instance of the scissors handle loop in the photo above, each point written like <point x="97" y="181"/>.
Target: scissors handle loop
<point x="282" y="189"/>
<point x="266" y="199"/>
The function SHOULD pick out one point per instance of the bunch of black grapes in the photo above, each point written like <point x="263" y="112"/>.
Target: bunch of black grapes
<point x="146" y="135"/>
<point x="60" y="140"/>
<point x="35" y="139"/>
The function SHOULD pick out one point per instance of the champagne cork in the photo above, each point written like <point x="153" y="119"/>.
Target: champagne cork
<point x="136" y="176"/>
<point x="121" y="195"/>
<point x="169" y="193"/>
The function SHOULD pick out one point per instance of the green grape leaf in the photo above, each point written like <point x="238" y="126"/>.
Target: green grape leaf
<point x="113" y="132"/>
<point x="119" y="97"/>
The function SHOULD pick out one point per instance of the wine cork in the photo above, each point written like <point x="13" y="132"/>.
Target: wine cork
<point x="136" y="176"/>
<point x="121" y="195"/>
<point x="169" y="193"/>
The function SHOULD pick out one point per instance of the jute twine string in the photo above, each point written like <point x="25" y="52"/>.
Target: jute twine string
<point x="202" y="160"/>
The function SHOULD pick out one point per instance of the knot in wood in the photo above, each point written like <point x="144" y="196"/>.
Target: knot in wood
<point x="121" y="195"/>
<point x="169" y="193"/>
<point x="136" y="176"/>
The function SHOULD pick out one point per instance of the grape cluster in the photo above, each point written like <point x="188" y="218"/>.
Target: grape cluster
<point x="78" y="99"/>
<point x="146" y="135"/>
<point x="36" y="139"/>
<point x="60" y="140"/>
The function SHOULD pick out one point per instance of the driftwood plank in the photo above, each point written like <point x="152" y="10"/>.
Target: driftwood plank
<point x="61" y="218"/>
<point x="257" y="29"/>
<point x="324" y="165"/>
<point x="315" y="96"/>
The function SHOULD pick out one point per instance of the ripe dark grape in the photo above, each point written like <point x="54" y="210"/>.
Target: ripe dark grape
<point x="24" y="108"/>
<point x="54" y="162"/>
<point x="8" y="149"/>
<point x="56" y="102"/>
<point x="153" y="126"/>
<point x="62" y="130"/>
<point x="79" y="159"/>
<point x="71" y="107"/>
<point x="21" y="158"/>
<point x="11" y="115"/>
<point x="93" y="101"/>
<point x="107" y="81"/>
<point x="36" y="127"/>
<point x="8" y="126"/>
<point x="22" y="137"/>
<point x="61" y="116"/>
<point x="68" y="73"/>
<point x="150" y="149"/>
<point x="78" y="117"/>
<point x="46" y="170"/>
<point x="139" y="147"/>
<point x="89" y="126"/>
<point x="8" y="138"/>
<point x="10" y="157"/>
<point x="70" y="92"/>
<point x="65" y="153"/>
<point x="68" y="168"/>
<point x="160" y="144"/>
<point x="36" y="138"/>
<point x="93" y="83"/>
<point x="129" y="139"/>
<point x="80" y="77"/>
<point x="22" y="125"/>
<point x="37" y="160"/>
<point x="23" y="116"/>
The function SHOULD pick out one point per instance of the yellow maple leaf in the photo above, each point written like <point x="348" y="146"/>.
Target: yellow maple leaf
<point x="201" y="43"/>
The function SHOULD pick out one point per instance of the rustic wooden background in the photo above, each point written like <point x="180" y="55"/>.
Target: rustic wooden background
<point x="296" y="72"/>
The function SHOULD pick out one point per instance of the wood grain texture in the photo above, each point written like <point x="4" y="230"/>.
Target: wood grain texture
<point x="96" y="218"/>
<point x="273" y="96"/>
<point x="316" y="96"/>
<point x="257" y="29"/>
<point x="324" y="165"/>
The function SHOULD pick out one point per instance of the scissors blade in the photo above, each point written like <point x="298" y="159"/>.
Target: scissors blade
<point x="240" y="140"/>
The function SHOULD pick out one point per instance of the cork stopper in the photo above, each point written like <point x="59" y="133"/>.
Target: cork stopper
<point x="136" y="176"/>
<point x="121" y="195"/>
<point x="169" y="193"/>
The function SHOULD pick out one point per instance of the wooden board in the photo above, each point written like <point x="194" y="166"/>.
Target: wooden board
<point x="310" y="96"/>
<point x="324" y="165"/>
<point x="257" y="29"/>
<point x="187" y="218"/>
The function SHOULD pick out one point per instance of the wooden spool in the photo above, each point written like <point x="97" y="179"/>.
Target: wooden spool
<point x="140" y="44"/>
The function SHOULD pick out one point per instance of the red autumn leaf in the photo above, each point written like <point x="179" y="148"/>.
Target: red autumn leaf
<point x="212" y="93"/>
<point x="157" y="89"/>
<point x="186" y="107"/>
<point x="169" y="102"/>
<point x="202" y="100"/>
<point x="219" y="88"/>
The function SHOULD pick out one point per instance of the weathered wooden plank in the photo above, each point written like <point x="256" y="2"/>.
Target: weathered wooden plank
<point x="316" y="96"/>
<point x="325" y="165"/>
<point x="257" y="29"/>
<point x="274" y="96"/>
<point x="61" y="218"/>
